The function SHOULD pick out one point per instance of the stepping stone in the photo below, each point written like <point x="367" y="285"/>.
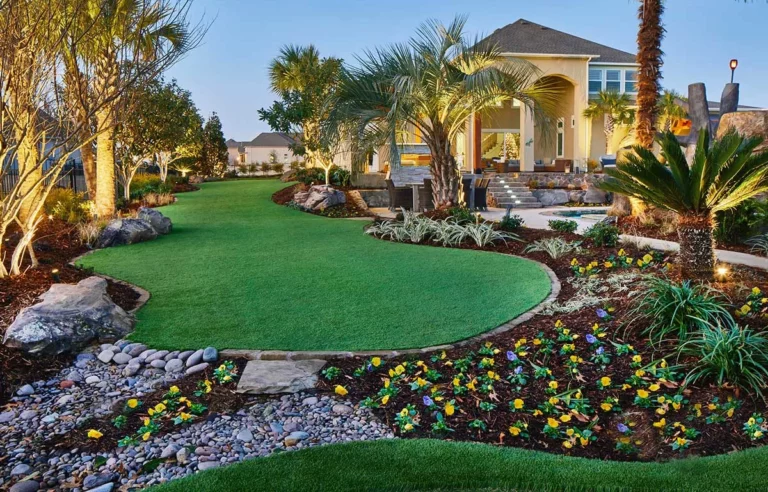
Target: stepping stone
<point x="279" y="376"/>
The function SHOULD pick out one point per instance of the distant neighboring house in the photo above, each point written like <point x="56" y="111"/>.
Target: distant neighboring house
<point x="271" y="147"/>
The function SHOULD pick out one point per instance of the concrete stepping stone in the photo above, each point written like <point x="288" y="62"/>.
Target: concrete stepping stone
<point x="279" y="376"/>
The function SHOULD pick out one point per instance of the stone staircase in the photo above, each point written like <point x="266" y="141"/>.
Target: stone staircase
<point x="506" y="191"/>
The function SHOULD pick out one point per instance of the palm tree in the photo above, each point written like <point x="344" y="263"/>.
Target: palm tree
<point x="614" y="108"/>
<point x="433" y="84"/>
<point x="669" y="110"/>
<point x="125" y="34"/>
<point x="721" y="176"/>
<point x="649" y="56"/>
<point x="300" y="73"/>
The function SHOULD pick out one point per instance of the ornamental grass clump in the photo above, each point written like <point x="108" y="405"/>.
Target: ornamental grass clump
<point x="555" y="247"/>
<point x="729" y="353"/>
<point x="677" y="310"/>
<point x="723" y="173"/>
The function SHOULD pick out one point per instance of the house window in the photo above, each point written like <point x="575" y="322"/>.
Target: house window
<point x="595" y="81"/>
<point x="630" y="81"/>
<point x="613" y="80"/>
<point x="561" y="137"/>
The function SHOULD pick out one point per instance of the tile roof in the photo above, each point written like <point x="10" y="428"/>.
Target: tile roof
<point x="273" y="139"/>
<point x="525" y="36"/>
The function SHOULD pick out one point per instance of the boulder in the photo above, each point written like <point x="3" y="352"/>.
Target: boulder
<point x="68" y="318"/>
<point x="550" y="198"/>
<point x="594" y="195"/>
<point x="319" y="197"/>
<point x="126" y="231"/>
<point x="747" y="123"/>
<point x="196" y="179"/>
<point x="158" y="221"/>
<point x="289" y="175"/>
<point x="576" y="196"/>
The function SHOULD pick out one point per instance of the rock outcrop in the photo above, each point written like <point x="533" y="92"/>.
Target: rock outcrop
<point x="126" y="231"/>
<point x="158" y="221"/>
<point x="319" y="197"/>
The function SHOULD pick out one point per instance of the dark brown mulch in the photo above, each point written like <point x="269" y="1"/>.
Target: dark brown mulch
<point x="633" y="226"/>
<point x="221" y="400"/>
<point x="184" y="188"/>
<point x="715" y="438"/>
<point x="56" y="246"/>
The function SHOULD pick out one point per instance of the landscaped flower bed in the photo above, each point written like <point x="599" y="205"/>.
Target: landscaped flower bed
<point x="346" y="210"/>
<point x="595" y="374"/>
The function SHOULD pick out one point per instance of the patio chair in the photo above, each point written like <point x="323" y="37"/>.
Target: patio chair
<point x="481" y="194"/>
<point x="425" y="196"/>
<point x="399" y="196"/>
<point x="466" y="187"/>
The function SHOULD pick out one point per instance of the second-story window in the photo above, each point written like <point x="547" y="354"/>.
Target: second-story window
<point x="613" y="80"/>
<point x="630" y="81"/>
<point x="595" y="80"/>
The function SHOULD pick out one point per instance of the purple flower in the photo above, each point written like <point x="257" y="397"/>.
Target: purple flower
<point x="622" y="428"/>
<point x="428" y="401"/>
<point x="511" y="355"/>
<point x="600" y="350"/>
<point x="518" y="369"/>
<point x="591" y="338"/>
<point x="601" y="313"/>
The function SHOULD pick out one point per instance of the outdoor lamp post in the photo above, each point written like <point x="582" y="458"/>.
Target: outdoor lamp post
<point x="734" y="63"/>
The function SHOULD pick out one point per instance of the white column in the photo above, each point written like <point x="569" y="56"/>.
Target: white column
<point x="526" y="138"/>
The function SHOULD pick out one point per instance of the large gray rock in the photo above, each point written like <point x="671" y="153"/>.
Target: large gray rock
<point x="68" y="318"/>
<point x="279" y="376"/>
<point x="158" y="221"/>
<point x="126" y="231"/>
<point x="747" y="123"/>
<point x="550" y="198"/>
<point x="319" y="197"/>
<point x="593" y="195"/>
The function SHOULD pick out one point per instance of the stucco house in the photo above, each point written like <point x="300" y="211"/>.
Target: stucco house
<point x="578" y="67"/>
<point x="271" y="147"/>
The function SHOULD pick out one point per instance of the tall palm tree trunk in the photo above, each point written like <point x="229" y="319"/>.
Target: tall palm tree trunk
<point x="649" y="56"/>
<point x="697" y="252"/>
<point x="444" y="172"/>
<point x="106" y="86"/>
<point x="88" y="157"/>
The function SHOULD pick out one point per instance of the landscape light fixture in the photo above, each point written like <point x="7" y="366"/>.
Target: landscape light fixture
<point x="722" y="273"/>
<point x="55" y="275"/>
<point x="733" y="64"/>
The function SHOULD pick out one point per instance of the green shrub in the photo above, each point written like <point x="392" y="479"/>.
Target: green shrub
<point x="555" y="247"/>
<point x="738" y="224"/>
<point x="729" y="354"/>
<point x="561" y="225"/>
<point x="511" y="222"/>
<point x="278" y="168"/>
<point x="677" y="309"/>
<point x="340" y="177"/>
<point x="66" y="205"/>
<point x="265" y="167"/>
<point x="142" y="184"/>
<point x="461" y="215"/>
<point x="310" y="175"/>
<point x="603" y="235"/>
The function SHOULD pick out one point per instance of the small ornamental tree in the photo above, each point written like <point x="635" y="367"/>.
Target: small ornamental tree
<point x="723" y="174"/>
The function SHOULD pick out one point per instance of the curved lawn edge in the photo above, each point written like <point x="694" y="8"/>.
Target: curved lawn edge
<point x="397" y="316"/>
<point x="425" y="464"/>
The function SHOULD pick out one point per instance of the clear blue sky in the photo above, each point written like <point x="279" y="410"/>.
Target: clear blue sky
<point x="228" y="73"/>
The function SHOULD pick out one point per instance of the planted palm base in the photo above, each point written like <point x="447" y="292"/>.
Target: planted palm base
<point x="697" y="253"/>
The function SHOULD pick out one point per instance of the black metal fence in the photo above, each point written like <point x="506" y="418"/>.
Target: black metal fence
<point x="71" y="176"/>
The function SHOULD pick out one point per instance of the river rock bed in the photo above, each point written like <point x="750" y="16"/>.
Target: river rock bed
<point x="90" y="388"/>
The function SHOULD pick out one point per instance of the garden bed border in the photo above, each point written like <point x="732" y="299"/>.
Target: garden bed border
<point x="144" y="294"/>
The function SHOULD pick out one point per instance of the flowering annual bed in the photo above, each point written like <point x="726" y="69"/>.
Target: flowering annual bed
<point x="581" y="379"/>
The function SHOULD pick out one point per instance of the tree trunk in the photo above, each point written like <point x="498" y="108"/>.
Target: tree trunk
<point x="608" y="129"/>
<point x="105" y="162"/>
<point x="89" y="168"/>
<point x="444" y="178"/>
<point x="649" y="56"/>
<point x="697" y="250"/>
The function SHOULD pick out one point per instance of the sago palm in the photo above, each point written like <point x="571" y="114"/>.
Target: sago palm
<point x="614" y="108"/>
<point x="434" y="84"/>
<point x="670" y="111"/>
<point x="723" y="174"/>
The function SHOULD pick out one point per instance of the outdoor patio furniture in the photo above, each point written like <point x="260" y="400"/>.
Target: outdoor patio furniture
<point x="481" y="194"/>
<point x="425" y="196"/>
<point x="466" y="187"/>
<point x="513" y="166"/>
<point x="399" y="196"/>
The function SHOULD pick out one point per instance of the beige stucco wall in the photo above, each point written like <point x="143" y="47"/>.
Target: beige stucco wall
<point x="257" y="155"/>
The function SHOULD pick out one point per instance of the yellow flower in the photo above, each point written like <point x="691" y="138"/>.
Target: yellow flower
<point x="536" y="341"/>
<point x="146" y="420"/>
<point x="456" y="382"/>
<point x="518" y="404"/>
<point x="183" y="399"/>
<point x="421" y="382"/>
<point x="730" y="412"/>
<point x="386" y="382"/>
<point x="567" y="444"/>
<point x="449" y="409"/>
<point x="608" y="264"/>
<point x="399" y="369"/>
<point x="640" y="263"/>
<point x="404" y="412"/>
<point x="553" y="385"/>
<point x="569" y="432"/>
<point x="574" y="262"/>
<point x="622" y="252"/>
<point x="554" y="400"/>
<point x="647" y="258"/>
<point x="639" y="373"/>
<point x="654" y="387"/>
<point x="755" y="291"/>
<point x="681" y="441"/>
<point x="222" y="367"/>
<point x="376" y="361"/>
<point x="146" y="436"/>
<point x="537" y="413"/>
<point x="471" y="385"/>
<point x="94" y="434"/>
<point x="661" y="399"/>
<point x="185" y="416"/>
<point x="607" y="407"/>
<point x="174" y="389"/>
<point x="637" y="358"/>
<point x="661" y="423"/>
<point x="553" y="423"/>
<point x="565" y="418"/>
<point x="663" y="363"/>
<point x="159" y="407"/>
<point x="758" y="434"/>
<point x="133" y="403"/>
<point x="642" y="393"/>
<point x="629" y="260"/>
<point x="514" y="431"/>
<point x="340" y="390"/>
<point x="558" y="324"/>
<point x="384" y="399"/>
<point x="583" y="441"/>
<point x="605" y="381"/>
<point x="151" y="412"/>
<point x="408" y="427"/>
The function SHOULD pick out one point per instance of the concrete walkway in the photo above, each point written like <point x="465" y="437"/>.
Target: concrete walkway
<point x="539" y="218"/>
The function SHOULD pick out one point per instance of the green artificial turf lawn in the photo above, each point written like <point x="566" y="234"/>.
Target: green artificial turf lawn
<point x="443" y="465"/>
<point x="239" y="271"/>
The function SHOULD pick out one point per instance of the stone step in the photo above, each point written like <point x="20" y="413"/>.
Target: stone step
<point x="520" y="205"/>
<point x="507" y="199"/>
<point x="279" y="376"/>
<point x="501" y="189"/>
